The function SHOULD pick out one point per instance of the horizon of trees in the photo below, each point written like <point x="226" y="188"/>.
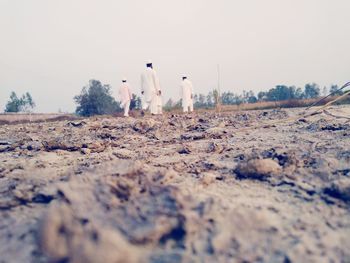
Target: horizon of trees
<point x="96" y="98"/>
<point x="278" y="93"/>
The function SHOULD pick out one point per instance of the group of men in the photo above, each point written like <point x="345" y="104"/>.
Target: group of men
<point x="151" y="94"/>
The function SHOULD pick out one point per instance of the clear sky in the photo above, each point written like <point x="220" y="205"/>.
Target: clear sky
<point x="52" y="48"/>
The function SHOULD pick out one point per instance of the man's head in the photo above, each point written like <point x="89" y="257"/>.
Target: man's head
<point x="124" y="80"/>
<point x="149" y="64"/>
<point x="184" y="77"/>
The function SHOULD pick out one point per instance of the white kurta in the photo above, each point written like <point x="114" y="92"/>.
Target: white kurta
<point x="187" y="92"/>
<point x="150" y="88"/>
<point x="125" y="97"/>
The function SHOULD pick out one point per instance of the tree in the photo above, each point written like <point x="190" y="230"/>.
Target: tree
<point x="311" y="91"/>
<point x="262" y="95"/>
<point x="27" y="102"/>
<point x="280" y="92"/>
<point x="228" y="98"/>
<point x="251" y="97"/>
<point x="199" y="100"/>
<point x="23" y="104"/>
<point x="135" y="103"/>
<point x="210" y="99"/>
<point x="299" y="93"/>
<point x="283" y="92"/>
<point x="334" y="89"/>
<point x="96" y="99"/>
<point x="168" y="105"/>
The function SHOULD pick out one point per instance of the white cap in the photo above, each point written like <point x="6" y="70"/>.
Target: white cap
<point x="124" y="79"/>
<point x="149" y="61"/>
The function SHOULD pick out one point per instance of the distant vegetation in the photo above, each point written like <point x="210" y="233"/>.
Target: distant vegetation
<point x="290" y="95"/>
<point x="96" y="99"/>
<point x="25" y="103"/>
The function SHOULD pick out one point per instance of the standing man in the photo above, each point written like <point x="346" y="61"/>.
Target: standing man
<point x="150" y="90"/>
<point x="125" y="97"/>
<point x="187" y="94"/>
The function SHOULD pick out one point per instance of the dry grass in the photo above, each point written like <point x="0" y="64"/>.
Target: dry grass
<point x="15" y="118"/>
<point x="263" y="105"/>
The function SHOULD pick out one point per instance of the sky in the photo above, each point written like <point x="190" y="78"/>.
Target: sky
<point x="53" y="48"/>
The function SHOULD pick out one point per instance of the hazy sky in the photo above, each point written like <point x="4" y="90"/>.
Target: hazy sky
<point x="52" y="48"/>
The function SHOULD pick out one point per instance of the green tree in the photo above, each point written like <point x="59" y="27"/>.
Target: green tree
<point x="334" y="89"/>
<point x="311" y="91"/>
<point x="210" y="99"/>
<point x="27" y="102"/>
<point x="23" y="104"/>
<point x="299" y="93"/>
<point x="96" y="99"/>
<point x="169" y="105"/>
<point x="135" y="103"/>
<point x="251" y="97"/>
<point x="262" y="95"/>
<point x="199" y="101"/>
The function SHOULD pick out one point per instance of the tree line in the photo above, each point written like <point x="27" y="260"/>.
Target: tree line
<point x="96" y="98"/>
<point x="278" y="93"/>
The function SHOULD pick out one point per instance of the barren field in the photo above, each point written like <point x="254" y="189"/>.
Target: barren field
<point x="255" y="186"/>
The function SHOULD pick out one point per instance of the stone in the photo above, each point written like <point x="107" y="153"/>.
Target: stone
<point x="259" y="169"/>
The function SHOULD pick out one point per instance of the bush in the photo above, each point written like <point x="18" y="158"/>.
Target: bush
<point x="135" y="103"/>
<point x="96" y="99"/>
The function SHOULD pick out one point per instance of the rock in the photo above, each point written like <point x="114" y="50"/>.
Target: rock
<point x="97" y="147"/>
<point x="123" y="153"/>
<point x="214" y="147"/>
<point x="194" y="136"/>
<point x="208" y="178"/>
<point x="61" y="144"/>
<point x="34" y="146"/>
<point x="63" y="237"/>
<point x="259" y="169"/>
<point x="216" y="132"/>
<point x="76" y="124"/>
<point x="184" y="150"/>
<point x="145" y="125"/>
<point x="339" y="189"/>
<point x="334" y="127"/>
<point x="86" y="151"/>
<point x="9" y="145"/>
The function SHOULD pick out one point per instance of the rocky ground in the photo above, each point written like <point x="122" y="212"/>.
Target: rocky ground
<point x="257" y="186"/>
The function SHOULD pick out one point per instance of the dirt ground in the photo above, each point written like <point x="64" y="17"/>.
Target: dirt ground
<point x="255" y="186"/>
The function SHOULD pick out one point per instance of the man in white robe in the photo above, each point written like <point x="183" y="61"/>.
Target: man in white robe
<point x="125" y="97"/>
<point x="187" y="94"/>
<point x="150" y="90"/>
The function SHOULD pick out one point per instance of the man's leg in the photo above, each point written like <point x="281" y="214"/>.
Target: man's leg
<point x="145" y="105"/>
<point x="126" y="109"/>
<point x="191" y="107"/>
<point x="153" y="106"/>
<point x="122" y="105"/>
<point x="184" y="107"/>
